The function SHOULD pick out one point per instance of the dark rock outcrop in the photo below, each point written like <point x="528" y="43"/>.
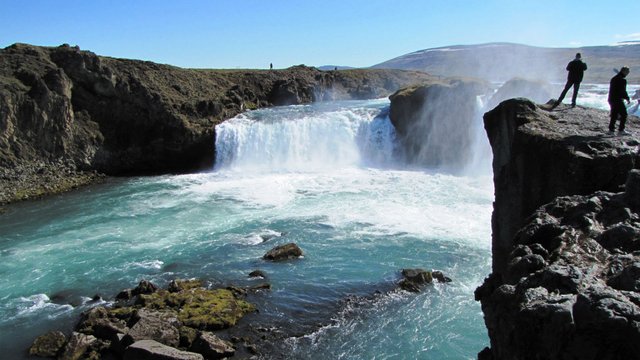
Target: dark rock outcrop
<point x="425" y="115"/>
<point x="581" y="300"/>
<point x="212" y="347"/>
<point x="80" y="346"/>
<point x="48" y="345"/>
<point x="539" y="155"/>
<point x="258" y="273"/>
<point x="154" y="325"/>
<point x="565" y="275"/>
<point x="414" y="279"/>
<point x="72" y="112"/>
<point x="283" y="252"/>
<point x="158" y="325"/>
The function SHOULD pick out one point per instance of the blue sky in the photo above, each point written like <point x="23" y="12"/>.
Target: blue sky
<point x="254" y="33"/>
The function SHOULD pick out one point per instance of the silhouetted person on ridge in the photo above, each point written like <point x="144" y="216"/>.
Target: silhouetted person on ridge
<point x="618" y="93"/>
<point x="270" y="66"/>
<point x="576" y="69"/>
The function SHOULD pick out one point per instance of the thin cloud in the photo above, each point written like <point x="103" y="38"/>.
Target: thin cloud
<point x="634" y="36"/>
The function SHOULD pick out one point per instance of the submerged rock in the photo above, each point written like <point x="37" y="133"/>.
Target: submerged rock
<point x="414" y="279"/>
<point x="258" y="273"/>
<point x="284" y="252"/>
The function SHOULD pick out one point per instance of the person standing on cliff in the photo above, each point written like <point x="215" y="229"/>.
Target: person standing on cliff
<point x="618" y="93"/>
<point x="576" y="69"/>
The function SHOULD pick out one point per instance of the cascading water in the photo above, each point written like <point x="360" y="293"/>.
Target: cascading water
<point x="325" y="176"/>
<point x="302" y="139"/>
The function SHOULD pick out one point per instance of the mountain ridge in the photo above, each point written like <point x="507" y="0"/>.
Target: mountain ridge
<point x="501" y="61"/>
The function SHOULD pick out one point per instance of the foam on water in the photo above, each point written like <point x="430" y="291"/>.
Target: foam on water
<point x="327" y="185"/>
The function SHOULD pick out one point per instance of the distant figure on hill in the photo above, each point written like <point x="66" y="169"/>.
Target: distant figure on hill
<point x="576" y="69"/>
<point x="270" y="66"/>
<point x="618" y="93"/>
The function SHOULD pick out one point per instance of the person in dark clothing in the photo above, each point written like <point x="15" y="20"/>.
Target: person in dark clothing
<point x="576" y="69"/>
<point x="618" y="93"/>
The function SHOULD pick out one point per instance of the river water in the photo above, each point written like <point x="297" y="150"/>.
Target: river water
<point x="324" y="176"/>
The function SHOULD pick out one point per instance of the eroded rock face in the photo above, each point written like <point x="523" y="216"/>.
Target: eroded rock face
<point x="578" y="298"/>
<point x="434" y="122"/>
<point x="118" y="116"/>
<point x="539" y="155"/>
<point x="565" y="274"/>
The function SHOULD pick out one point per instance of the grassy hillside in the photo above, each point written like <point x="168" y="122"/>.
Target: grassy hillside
<point x="503" y="61"/>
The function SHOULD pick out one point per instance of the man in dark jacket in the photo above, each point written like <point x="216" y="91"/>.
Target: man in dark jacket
<point x="576" y="70"/>
<point x="618" y="93"/>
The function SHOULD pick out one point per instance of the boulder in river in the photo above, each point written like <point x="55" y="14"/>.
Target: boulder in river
<point x="284" y="252"/>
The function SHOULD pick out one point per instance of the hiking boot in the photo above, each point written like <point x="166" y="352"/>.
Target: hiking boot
<point x="622" y="132"/>
<point x="611" y="132"/>
<point x="573" y="105"/>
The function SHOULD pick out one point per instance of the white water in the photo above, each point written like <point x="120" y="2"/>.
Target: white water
<point x="323" y="176"/>
<point x="305" y="138"/>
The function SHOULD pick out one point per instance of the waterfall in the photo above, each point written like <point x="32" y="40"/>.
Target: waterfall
<point x="329" y="136"/>
<point x="306" y="138"/>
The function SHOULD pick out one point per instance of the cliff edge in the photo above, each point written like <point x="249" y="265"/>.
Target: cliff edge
<point x="67" y="113"/>
<point x="566" y="235"/>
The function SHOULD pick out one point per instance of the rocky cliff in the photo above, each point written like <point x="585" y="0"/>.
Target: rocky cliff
<point x="67" y="112"/>
<point x="565" y="274"/>
<point x="434" y="121"/>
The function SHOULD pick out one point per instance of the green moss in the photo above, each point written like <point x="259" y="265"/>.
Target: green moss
<point x="122" y="313"/>
<point x="201" y="308"/>
<point x="181" y="285"/>
<point x="187" y="336"/>
<point x="249" y="105"/>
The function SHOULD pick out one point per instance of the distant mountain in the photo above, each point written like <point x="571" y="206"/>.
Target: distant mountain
<point x="503" y="61"/>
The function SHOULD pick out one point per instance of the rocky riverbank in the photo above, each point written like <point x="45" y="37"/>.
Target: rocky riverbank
<point x="95" y="114"/>
<point x="188" y="320"/>
<point x="564" y="280"/>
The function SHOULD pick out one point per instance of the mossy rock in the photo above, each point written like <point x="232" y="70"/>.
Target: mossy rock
<point x="123" y="313"/>
<point x="48" y="345"/>
<point x="201" y="308"/>
<point x="181" y="285"/>
<point x="187" y="336"/>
